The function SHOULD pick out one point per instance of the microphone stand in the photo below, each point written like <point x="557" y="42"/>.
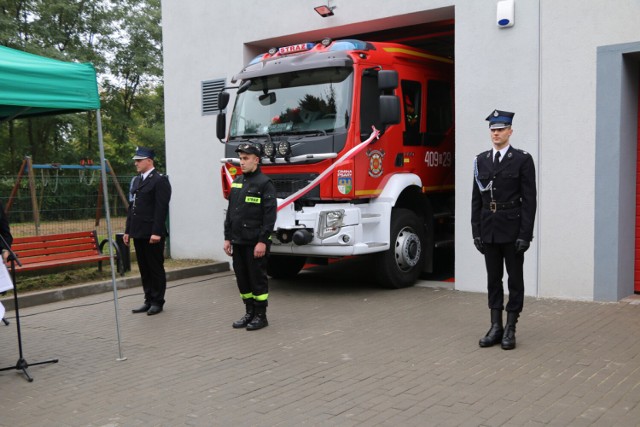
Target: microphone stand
<point x="22" y="364"/>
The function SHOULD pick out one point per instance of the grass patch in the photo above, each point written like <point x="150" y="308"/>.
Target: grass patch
<point x="30" y="281"/>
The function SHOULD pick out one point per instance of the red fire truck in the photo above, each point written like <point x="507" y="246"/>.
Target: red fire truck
<point x="311" y="108"/>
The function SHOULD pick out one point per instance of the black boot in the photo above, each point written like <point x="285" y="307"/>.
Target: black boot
<point x="509" y="338"/>
<point x="259" y="320"/>
<point x="494" y="335"/>
<point x="250" y="311"/>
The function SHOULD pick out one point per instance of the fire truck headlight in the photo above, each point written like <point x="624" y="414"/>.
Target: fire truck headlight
<point x="284" y="149"/>
<point x="270" y="149"/>
<point x="330" y="223"/>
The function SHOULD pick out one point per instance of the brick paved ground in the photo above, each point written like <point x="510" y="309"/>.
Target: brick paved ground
<point x="337" y="353"/>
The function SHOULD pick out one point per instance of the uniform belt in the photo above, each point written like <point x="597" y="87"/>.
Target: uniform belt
<point x="499" y="206"/>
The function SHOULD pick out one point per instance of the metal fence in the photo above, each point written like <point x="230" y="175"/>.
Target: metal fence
<point x="61" y="201"/>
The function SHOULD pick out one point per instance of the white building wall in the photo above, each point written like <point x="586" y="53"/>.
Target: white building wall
<point x="495" y="68"/>
<point x="551" y="89"/>
<point x="571" y="32"/>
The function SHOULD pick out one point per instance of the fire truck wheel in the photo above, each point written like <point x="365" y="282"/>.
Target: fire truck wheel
<point x="401" y="265"/>
<point x="284" y="266"/>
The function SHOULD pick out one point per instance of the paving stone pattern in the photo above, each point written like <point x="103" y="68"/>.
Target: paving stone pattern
<point x="336" y="353"/>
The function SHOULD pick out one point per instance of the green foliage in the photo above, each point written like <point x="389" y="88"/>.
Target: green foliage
<point x="122" y="39"/>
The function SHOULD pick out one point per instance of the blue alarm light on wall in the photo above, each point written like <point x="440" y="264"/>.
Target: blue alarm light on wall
<point x="505" y="13"/>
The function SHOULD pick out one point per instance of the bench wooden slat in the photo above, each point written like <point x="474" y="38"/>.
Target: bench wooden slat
<point x="53" y="237"/>
<point x="53" y="243"/>
<point x="55" y="250"/>
<point x="57" y="257"/>
<point x="69" y="261"/>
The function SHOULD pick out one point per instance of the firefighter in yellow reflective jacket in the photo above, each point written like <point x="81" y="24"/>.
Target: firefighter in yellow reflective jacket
<point x="250" y="219"/>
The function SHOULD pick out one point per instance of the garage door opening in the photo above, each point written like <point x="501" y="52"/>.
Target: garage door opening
<point x="421" y="222"/>
<point x="434" y="37"/>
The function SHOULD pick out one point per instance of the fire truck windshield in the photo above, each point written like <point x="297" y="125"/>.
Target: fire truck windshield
<point x="301" y="102"/>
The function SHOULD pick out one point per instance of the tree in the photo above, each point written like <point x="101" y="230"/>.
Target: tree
<point x="122" y="39"/>
<point x="134" y="73"/>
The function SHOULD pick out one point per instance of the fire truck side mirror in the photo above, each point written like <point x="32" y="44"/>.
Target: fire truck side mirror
<point x="387" y="79"/>
<point x="221" y="120"/>
<point x="389" y="110"/>
<point x="223" y="100"/>
<point x="221" y="126"/>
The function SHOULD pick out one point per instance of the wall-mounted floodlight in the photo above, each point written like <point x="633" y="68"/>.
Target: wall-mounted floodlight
<point x="325" y="10"/>
<point x="505" y="16"/>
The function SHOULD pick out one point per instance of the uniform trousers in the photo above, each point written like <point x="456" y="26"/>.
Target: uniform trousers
<point x="151" y="262"/>
<point x="251" y="272"/>
<point x="496" y="256"/>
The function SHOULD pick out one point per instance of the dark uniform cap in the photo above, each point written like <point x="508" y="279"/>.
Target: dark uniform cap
<point x="248" y="149"/>
<point x="500" y="119"/>
<point x="144" y="153"/>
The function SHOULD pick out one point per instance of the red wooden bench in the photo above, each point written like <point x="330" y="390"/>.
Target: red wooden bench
<point x="58" y="250"/>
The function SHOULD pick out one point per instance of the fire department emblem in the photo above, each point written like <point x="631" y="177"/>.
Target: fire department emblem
<point x="375" y="162"/>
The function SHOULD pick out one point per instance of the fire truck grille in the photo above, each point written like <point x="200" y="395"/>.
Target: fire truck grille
<point x="289" y="184"/>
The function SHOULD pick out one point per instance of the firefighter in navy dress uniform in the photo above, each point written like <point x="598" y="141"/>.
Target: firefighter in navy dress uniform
<point x="502" y="217"/>
<point x="248" y="225"/>
<point x="148" y="210"/>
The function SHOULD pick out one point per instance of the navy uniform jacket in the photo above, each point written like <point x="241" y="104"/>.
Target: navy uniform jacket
<point x="514" y="180"/>
<point x="252" y="210"/>
<point x="149" y="206"/>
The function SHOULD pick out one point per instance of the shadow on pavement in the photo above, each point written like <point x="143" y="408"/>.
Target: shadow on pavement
<point x="356" y="274"/>
<point x="348" y="275"/>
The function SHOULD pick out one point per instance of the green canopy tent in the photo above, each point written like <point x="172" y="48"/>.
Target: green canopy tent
<point x="32" y="85"/>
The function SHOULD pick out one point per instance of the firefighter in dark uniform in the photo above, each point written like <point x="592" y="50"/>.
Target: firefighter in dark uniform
<point x="503" y="209"/>
<point x="148" y="210"/>
<point x="249" y="222"/>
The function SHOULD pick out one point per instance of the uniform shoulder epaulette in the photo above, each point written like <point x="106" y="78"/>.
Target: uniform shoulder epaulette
<point x="526" y="153"/>
<point x="485" y="153"/>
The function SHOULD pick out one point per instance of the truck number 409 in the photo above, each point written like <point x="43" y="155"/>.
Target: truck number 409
<point x="435" y="159"/>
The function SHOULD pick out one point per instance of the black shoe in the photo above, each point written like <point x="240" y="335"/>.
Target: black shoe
<point x="142" y="309"/>
<point x="248" y="317"/>
<point x="259" y="321"/>
<point x="244" y="321"/>
<point x="155" y="309"/>
<point x="494" y="336"/>
<point x="509" y="337"/>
